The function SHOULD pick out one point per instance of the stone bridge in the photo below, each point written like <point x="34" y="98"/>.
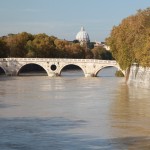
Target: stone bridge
<point x="54" y="66"/>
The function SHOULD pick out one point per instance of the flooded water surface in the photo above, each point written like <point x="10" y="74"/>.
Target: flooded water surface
<point x="72" y="112"/>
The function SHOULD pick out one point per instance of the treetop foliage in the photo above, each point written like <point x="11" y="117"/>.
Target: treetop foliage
<point x="130" y="40"/>
<point x="44" y="46"/>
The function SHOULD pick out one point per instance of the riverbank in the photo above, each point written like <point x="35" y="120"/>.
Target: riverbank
<point x="139" y="76"/>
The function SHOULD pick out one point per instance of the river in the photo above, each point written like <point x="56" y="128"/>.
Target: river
<point x="73" y="113"/>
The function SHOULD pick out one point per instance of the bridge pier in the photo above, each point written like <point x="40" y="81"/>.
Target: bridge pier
<point x="53" y="74"/>
<point x="10" y="72"/>
<point x="89" y="75"/>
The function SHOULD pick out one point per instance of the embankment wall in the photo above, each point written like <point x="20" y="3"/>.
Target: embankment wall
<point x="139" y="76"/>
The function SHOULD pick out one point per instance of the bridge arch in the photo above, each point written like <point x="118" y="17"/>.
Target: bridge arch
<point x="71" y="64"/>
<point x="101" y="68"/>
<point x="26" y="64"/>
<point x="2" y="70"/>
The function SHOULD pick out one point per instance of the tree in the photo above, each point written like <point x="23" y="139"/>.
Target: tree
<point x="129" y="41"/>
<point x="41" y="46"/>
<point x="17" y="44"/>
<point x="3" y="49"/>
<point x="101" y="53"/>
<point x="74" y="50"/>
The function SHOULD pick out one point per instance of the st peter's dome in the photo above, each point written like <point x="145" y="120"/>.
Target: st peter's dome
<point x="82" y="36"/>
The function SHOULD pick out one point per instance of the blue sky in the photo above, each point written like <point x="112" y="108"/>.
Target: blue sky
<point x="64" y="18"/>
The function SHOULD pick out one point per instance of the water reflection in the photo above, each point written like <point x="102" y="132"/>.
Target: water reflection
<point x="72" y="71"/>
<point x="130" y="111"/>
<point x="104" y="72"/>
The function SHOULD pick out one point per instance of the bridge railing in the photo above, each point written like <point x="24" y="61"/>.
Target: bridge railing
<point x="60" y="60"/>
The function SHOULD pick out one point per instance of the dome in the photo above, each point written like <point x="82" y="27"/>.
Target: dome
<point x="82" y="36"/>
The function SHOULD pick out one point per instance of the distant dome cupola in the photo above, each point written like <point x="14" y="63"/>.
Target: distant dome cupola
<point x="82" y="36"/>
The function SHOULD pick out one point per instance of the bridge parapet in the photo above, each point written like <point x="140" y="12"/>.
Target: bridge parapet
<point x="60" y="60"/>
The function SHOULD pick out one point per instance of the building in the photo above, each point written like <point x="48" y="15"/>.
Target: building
<point x="102" y="44"/>
<point x="83" y="37"/>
